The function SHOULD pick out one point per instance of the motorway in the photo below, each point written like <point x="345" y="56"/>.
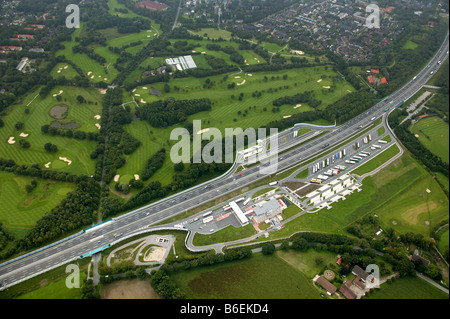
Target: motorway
<point x="41" y="261"/>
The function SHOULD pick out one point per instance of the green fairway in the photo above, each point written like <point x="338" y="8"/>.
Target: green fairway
<point x="92" y="69"/>
<point x="408" y="288"/>
<point x="77" y="151"/>
<point x="258" y="277"/>
<point x="21" y="210"/>
<point x="64" y="70"/>
<point x="433" y="133"/>
<point x="254" y="111"/>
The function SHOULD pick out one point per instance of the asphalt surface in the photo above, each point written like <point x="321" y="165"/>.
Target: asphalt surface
<point x="41" y="261"/>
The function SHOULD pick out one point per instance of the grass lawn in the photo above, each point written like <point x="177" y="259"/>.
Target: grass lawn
<point x="78" y="151"/>
<point x="409" y="45"/>
<point x="408" y="288"/>
<point x="377" y="161"/>
<point x="443" y="241"/>
<point x="229" y="233"/>
<point x="303" y="174"/>
<point x="433" y="134"/>
<point x="258" y="277"/>
<point x="21" y="210"/>
<point x="306" y="261"/>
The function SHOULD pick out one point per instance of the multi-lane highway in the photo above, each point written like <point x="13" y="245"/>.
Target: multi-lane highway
<point x="71" y="249"/>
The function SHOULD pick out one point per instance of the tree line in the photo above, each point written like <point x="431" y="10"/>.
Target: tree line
<point x="168" y="112"/>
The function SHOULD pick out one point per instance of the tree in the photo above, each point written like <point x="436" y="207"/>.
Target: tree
<point x="300" y="244"/>
<point x="80" y="99"/>
<point x="268" y="249"/>
<point x="432" y="271"/>
<point x="179" y="167"/>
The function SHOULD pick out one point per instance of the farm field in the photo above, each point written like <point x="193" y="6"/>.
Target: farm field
<point x="408" y="288"/>
<point x="21" y="210"/>
<point x="39" y="114"/>
<point x="268" y="277"/>
<point x="433" y="133"/>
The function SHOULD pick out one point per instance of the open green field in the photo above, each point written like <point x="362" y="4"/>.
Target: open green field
<point x="21" y="210"/>
<point x="409" y="45"/>
<point x="77" y="151"/>
<point x="377" y="161"/>
<point x="227" y="234"/>
<point x="443" y="241"/>
<point x="408" y="288"/>
<point x="433" y="134"/>
<point x="260" y="276"/>
<point x="213" y="33"/>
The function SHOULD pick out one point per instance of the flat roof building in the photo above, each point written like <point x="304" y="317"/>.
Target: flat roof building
<point x="240" y="215"/>
<point x="266" y="210"/>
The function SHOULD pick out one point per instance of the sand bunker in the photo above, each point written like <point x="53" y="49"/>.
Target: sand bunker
<point x="298" y="105"/>
<point x="320" y="80"/>
<point x="193" y="51"/>
<point x="102" y="91"/>
<point x="134" y="90"/>
<point x="326" y="87"/>
<point x="237" y="77"/>
<point x="144" y="87"/>
<point x="416" y="135"/>
<point x="60" y="92"/>
<point x="287" y="116"/>
<point x="23" y="135"/>
<point x="142" y="101"/>
<point x="90" y="72"/>
<point x="203" y="52"/>
<point x="98" y="125"/>
<point x="297" y="51"/>
<point x="92" y="77"/>
<point x="203" y="131"/>
<point x="97" y="117"/>
<point x="136" y="177"/>
<point x="66" y="67"/>
<point x="250" y="74"/>
<point x="11" y="140"/>
<point x="47" y="165"/>
<point x="69" y="162"/>
<point x="137" y="94"/>
<point x="242" y="83"/>
<point x="116" y="178"/>
<point x="154" y="253"/>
